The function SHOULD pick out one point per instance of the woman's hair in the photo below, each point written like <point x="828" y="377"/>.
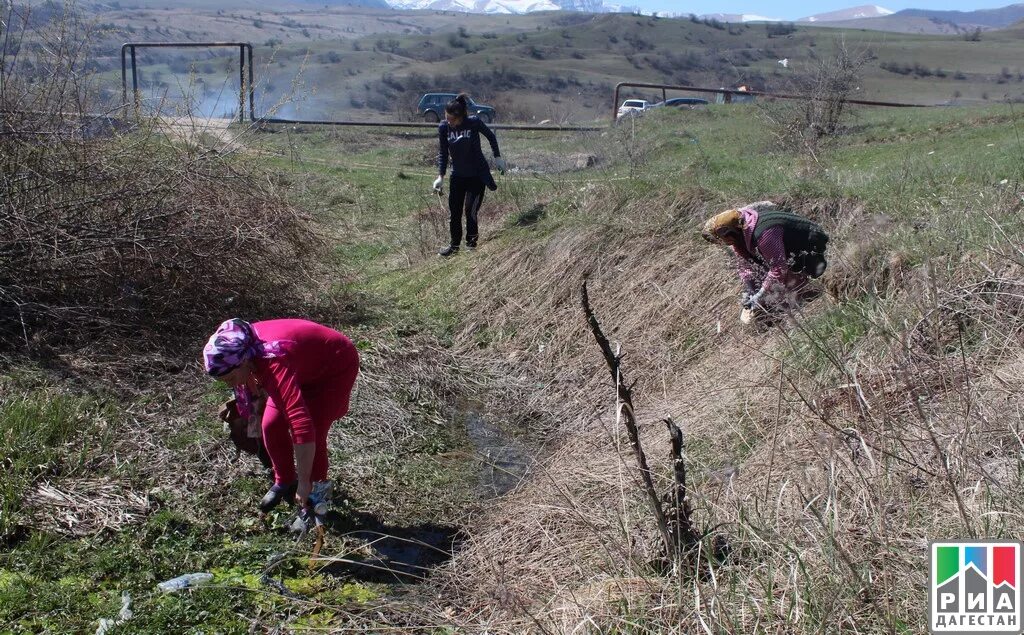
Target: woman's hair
<point x="458" y="107"/>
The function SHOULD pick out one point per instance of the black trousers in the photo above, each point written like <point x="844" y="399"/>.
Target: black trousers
<point x="465" y="195"/>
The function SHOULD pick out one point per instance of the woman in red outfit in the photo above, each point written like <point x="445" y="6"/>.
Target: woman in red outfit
<point x="302" y="374"/>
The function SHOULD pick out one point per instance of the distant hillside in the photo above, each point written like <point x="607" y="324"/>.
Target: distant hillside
<point x="357" y="62"/>
<point x="511" y="7"/>
<point x="853" y="13"/>
<point x="904" y="24"/>
<point x="738" y="17"/>
<point x="927" y="21"/>
<point x="991" y="18"/>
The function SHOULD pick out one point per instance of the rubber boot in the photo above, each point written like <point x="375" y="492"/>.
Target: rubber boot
<point x="277" y="494"/>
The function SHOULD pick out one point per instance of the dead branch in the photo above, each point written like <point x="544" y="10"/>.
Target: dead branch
<point x="680" y="522"/>
<point x="625" y="396"/>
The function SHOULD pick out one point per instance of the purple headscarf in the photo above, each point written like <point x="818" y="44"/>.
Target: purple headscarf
<point x="233" y="343"/>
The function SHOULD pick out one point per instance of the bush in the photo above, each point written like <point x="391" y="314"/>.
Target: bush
<point x="780" y="29"/>
<point x="115" y="228"/>
<point x="714" y="23"/>
<point x="804" y="125"/>
<point x="638" y="43"/>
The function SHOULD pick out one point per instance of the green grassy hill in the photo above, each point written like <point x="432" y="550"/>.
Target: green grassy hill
<point x="348" y="62"/>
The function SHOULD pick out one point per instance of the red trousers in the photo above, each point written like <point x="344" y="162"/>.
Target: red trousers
<point x="327" y="401"/>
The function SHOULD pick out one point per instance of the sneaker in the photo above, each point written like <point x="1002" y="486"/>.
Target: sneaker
<point x="450" y="250"/>
<point x="277" y="494"/>
<point x="470" y="245"/>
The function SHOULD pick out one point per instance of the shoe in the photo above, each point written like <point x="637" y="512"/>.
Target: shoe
<point x="277" y="494"/>
<point x="470" y="246"/>
<point x="450" y="250"/>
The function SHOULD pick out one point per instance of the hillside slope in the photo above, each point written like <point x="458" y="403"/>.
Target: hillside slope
<point x="827" y="452"/>
<point x="366" y="63"/>
<point x="823" y="454"/>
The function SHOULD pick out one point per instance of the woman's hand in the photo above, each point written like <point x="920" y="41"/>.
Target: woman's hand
<point x="302" y="492"/>
<point x="304" y="468"/>
<point x="438" y="182"/>
<point x="499" y="162"/>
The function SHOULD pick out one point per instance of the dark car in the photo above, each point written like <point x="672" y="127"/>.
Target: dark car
<point x="682" y="103"/>
<point x="431" y="107"/>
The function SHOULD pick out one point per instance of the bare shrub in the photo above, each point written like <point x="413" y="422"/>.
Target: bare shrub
<point x="511" y="109"/>
<point x="114" y="226"/>
<point x="803" y="125"/>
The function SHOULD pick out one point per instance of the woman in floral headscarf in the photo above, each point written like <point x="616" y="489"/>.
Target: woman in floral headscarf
<point x="306" y="373"/>
<point x="777" y="253"/>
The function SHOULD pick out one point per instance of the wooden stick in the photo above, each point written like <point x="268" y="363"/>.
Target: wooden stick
<point x="625" y="396"/>
<point x="680" y="522"/>
<point x="318" y="544"/>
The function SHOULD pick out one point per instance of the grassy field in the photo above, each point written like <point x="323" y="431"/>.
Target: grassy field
<point x="825" y="453"/>
<point x="909" y="197"/>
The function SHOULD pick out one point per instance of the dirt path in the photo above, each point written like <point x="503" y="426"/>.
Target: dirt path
<point x="198" y="130"/>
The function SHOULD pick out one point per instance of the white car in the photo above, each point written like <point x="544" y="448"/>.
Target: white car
<point x="633" y="107"/>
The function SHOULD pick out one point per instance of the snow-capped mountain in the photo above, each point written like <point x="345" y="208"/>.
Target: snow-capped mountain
<point x="603" y="6"/>
<point x="853" y="13"/>
<point x="738" y="17"/>
<point x="478" y="6"/>
<point x="513" y="6"/>
<point x="586" y="6"/>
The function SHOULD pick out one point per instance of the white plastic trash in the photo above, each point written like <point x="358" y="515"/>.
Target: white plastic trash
<point x="184" y="582"/>
<point x="125" y="614"/>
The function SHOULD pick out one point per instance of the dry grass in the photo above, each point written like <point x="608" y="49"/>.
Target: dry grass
<point x="82" y="507"/>
<point x="828" y="462"/>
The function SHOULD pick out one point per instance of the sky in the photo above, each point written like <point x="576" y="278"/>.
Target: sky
<point x="794" y="9"/>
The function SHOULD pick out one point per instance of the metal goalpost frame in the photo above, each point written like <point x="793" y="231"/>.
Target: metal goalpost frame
<point x="244" y="63"/>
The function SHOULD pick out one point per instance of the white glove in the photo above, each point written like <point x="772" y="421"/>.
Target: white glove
<point x="437" y="184"/>
<point x="755" y="300"/>
<point x="499" y="162"/>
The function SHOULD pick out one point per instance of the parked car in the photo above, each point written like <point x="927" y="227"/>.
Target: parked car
<point x="431" y="107"/>
<point x="632" y="107"/>
<point x="686" y="103"/>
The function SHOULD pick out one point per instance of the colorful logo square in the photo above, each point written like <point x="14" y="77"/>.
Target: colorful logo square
<point x="975" y="587"/>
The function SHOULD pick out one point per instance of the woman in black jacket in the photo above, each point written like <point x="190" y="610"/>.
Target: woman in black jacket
<point x="459" y="136"/>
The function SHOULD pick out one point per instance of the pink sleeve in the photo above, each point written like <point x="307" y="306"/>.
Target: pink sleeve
<point x="744" y="269"/>
<point x="773" y="252"/>
<point x="283" y="389"/>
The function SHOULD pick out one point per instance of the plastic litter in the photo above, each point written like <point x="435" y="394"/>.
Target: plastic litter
<point x="320" y="497"/>
<point x="123" y="615"/>
<point x="319" y="503"/>
<point x="184" y="582"/>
